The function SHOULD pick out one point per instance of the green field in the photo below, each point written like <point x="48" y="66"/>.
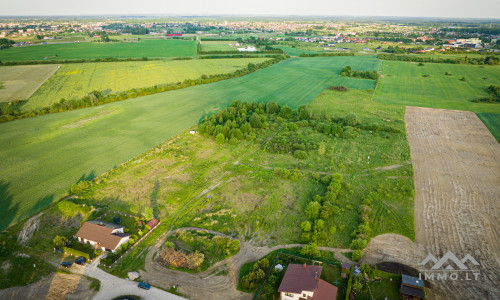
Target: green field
<point x="217" y="46"/>
<point x="41" y="157"/>
<point x="295" y="51"/>
<point x="403" y="83"/>
<point x="146" y="48"/>
<point x="492" y="121"/>
<point x="19" y="82"/>
<point x="74" y="81"/>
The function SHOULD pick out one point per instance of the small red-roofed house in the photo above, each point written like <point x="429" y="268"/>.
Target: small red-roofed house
<point x="302" y="282"/>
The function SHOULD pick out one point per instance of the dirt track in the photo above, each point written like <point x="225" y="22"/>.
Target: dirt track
<point x="206" y="285"/>
<point x="457" y="181"/>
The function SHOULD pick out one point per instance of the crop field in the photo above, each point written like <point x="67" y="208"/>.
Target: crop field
<point x="146" y="48"/>
<point x="492" y="121"/>
<point x="41" y="157"/>
<point x="20" y="82"/>
<point x="296" y="51"/>
<point x="77" y="80"/>
<point x="403" y="83"/>
<point x="217" y="46"/>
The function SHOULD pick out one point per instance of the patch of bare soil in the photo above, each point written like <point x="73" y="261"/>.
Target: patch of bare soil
<point x="55" y="287"/>
<point x="456" y="161"/>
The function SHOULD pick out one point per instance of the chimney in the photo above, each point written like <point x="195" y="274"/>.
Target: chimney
<point x="305" y="265"/>
<point x="316" y="276"/>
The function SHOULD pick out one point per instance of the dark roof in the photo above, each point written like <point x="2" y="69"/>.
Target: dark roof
<point x="324" y="291"/>
<point x="415" y="292"/>
<point x="298" y="279"/>
<point x="152" y="223"/>
<point x="100" y="234"/>
<point x="413" y="281"/>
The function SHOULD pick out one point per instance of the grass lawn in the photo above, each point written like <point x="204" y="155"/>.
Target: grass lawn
<point x="74" y="81"/>
<point x="41" y="157"/>
<point x="20" y="82"/>
<point x="145" y="48"/>
<point x="404" y="84"/>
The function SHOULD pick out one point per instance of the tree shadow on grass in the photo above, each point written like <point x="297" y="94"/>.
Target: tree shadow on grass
<point x="154" y="198"/>
<point x="8" y="210"/>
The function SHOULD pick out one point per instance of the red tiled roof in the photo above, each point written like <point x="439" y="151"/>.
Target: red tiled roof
<point x="152" y="223"/>
<point x="325" y="291"/>
<point x="298" y="279"/>
<point x="101" y="235"/>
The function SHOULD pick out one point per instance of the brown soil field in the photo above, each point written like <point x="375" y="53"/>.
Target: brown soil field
<point x="20" y="82"/>
<point x="55" y="287"/>
<point x="456" y="161"/>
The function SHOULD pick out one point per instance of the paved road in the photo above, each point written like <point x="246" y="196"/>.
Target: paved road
<point x="112" y="286"/>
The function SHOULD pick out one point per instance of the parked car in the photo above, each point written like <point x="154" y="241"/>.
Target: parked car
<point x="80" y="260"/>
<point x="66" y="264"/>
<point x="144" y="285"/>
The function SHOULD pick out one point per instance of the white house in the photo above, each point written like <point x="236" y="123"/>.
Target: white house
<point x="302" y="282"/>
<point x="247" y="49"/>
<point x="102" y="235"/>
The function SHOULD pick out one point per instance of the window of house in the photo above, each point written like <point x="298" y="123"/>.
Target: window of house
<point x="289" y="294"/>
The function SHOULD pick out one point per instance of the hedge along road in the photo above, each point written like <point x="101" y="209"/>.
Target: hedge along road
<point x="41" y="157"/>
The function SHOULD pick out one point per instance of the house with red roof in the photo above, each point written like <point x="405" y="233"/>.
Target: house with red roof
<point x="102" y="235"/>
<point x="152" y="223"/>
<point x="302" y="282"/>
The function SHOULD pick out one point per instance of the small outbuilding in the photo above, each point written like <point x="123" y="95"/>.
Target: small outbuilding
<point x="412" y="288"/>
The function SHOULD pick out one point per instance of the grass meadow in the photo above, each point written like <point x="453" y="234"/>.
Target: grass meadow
<point x="20" y="82"/>
<point x="74" y="81"/>
<point x="404" y="84"/>
<point x="492" y="121"/>
<point x="296" y="51"/>
<point x="193" y="181"/>
<point x="145" y="48"/>
<point x="41" y="157"/>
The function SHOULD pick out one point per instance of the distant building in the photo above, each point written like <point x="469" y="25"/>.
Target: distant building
<point x="412" y="288"/>
<point x="303" y="282"/>
<point x="152" y="223"/>
<point x="102" y="235"/>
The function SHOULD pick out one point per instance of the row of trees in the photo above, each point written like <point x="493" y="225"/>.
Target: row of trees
<point x="325" y="54"/>
<point x="12" y="112"/>
<point x="486" y="60"/>
<point x="6" y="43"/>
<point x="348" y="72"/>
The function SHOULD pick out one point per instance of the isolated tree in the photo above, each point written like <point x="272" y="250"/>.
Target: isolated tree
<point x="60" y="241"/>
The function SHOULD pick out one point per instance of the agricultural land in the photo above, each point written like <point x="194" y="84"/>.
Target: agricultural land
<point x="73" y="81"/>
<point x="144" y="48"/>
<point x="20" y="82"/>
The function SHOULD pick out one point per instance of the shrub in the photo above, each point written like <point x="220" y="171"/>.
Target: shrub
<point x="300" y="154"/>
<point x="311" y="250"/>
<point x="60" y="242"/>
<point x="351" y="119"/>
<point x="221" y="139"/>
<point x="312" y="210"/>
<point x="356" y="255"/>
<point x="339" y="88"/>
<point x="420" y="64"/>
<point x="306" y="226"/>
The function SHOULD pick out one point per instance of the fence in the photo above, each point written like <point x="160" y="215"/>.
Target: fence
<point x="335" y="263"/>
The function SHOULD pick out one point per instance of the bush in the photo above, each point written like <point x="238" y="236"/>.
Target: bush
<point x="351" y="119"/>
<point x="60" y="242"/>
<point x="300" y="154"/>
<point x="339" y="88"/>
<point x="311" y="250"/>
<point x="312" y="210"/>
<point x="356" y="255"/>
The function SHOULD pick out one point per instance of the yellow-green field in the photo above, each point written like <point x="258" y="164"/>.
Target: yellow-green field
<point x="20" y="82"/>
<point x="217" y="45"/>
<point x="77" y="80"/>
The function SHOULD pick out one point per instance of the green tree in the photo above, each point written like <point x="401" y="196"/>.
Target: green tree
<point x="148" y="213"/>
<point x="255" y="121"/>
<point x="306" y="226"/>
<point x="351" y="119"/>
<point x="221" y="139"/>
<point x="311" y="250"/>
<point x="312" y="210"/>
<point x="356" y="255"/>
<point x="60" y="242"/>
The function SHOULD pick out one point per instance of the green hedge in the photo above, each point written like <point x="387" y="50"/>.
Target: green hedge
<point x="76" y="252"/>
<point x="349" y="284"/>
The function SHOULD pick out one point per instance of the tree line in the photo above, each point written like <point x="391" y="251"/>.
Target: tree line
<point x="325" y="54"/>
<point x="494" y="95"/>
<point x="14" y="111"/>
<point x="487" y="60"/>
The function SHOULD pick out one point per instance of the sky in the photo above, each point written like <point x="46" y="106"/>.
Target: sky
<point x="411" y="8"/>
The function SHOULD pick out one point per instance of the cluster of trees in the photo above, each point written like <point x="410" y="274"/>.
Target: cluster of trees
<point x="6" y="43"/>
<point x="325" y="54"/>
<point x="494" y="97"/>
<point x="348" y="72"/>
<point x="255" y="277"/>
<point x="320" y="209"/>
<point x="135" y="30"/>
<point x="486" y="60"/>
<point x="12" y="112"/>
<point x="176" y="259"/>
<point x="363" y="231"/>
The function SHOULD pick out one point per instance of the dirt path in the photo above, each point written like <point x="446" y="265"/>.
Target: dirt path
<point x="457" y="182"/>
<point x="206" y="285"/>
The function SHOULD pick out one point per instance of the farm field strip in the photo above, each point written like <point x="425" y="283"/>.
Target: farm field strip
<point x="77" y="80"/>
<point x="456" y="204"/>
<point x="20" y="82"/>
<point x="40" y="162"/>
<point x="403" y="83"/>
<point x="145" y="48"/>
